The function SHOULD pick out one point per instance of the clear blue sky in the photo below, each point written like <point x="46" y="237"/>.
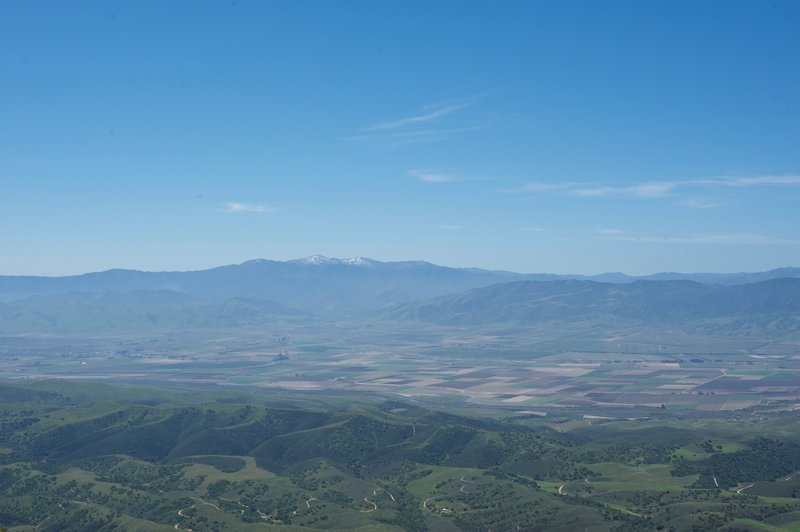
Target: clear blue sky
<point x="532" y="136"/>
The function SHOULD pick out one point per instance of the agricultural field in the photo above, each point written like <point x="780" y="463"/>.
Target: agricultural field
<point x="615" y="371"/>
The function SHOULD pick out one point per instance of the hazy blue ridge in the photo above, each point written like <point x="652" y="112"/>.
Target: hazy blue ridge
<point x="261" y="291"/>
<point x="767" y="304"/>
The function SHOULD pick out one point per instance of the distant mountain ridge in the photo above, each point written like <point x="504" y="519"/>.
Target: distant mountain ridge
<point x="766" y="305"/>
<point x="227" y="280"/>
<point x="261" y="290"/>
<point x="726" y="278"/>
<point x="315" y="284"/>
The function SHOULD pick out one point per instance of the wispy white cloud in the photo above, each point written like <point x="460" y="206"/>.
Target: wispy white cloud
<point x="609" y="231"/>
<point x="418" y="119"/>
<point x="430" y="176"/>
<point x="641" y="190"/>
<point x="737" y="182"/>
<point x="748" y="239"/>
<point x="433" y="123"/>
<point x="460" y="100"/>
<point x="656" y="189"/>
<point x="246" y="207"/>
<point x="450" y="227"/>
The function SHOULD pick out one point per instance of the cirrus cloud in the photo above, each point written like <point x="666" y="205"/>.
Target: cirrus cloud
<point x="656" y="189"/>
<point x="430" y="176"/>
<point x="237" y="207"/>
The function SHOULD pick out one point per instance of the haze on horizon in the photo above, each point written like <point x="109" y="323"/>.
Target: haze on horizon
<point x="538" y="137"/>
<point x="358" y="262"/>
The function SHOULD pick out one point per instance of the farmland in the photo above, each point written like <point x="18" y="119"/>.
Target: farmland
<point x="618" y="370"/>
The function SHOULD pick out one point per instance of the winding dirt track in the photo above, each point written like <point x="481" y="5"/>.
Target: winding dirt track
<point x="237" y="502"/>
<point x="181" y="514"/>
<point x="374" y="506"/>
<point x="201" y="501"/>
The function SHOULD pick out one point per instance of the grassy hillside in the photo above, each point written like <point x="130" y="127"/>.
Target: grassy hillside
<point x="70" y="462"/>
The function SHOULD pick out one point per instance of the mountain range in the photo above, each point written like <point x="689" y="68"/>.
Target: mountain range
<point x="772" y="305"/>
<point x="316" y="284"/>
<point x="262" y="291"/>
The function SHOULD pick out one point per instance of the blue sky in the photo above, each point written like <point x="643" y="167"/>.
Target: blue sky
<point x="575" y="137"/>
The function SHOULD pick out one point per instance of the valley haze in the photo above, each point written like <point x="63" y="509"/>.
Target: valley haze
<point x="349" y="394"/>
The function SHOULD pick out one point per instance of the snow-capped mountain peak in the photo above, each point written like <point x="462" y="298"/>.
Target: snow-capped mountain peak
<point x="358" y="261"/>
<point x="322" y="260"/>
<point x="316" y="259"/>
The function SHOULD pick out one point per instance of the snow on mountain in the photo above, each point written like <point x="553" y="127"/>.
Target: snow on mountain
<point x="322" y="260"/>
